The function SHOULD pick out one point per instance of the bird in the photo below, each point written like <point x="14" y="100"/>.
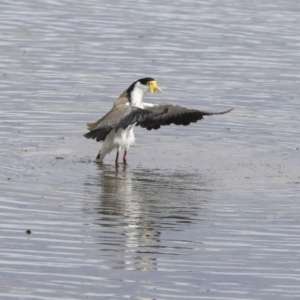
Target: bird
<point x="115" y="129"/>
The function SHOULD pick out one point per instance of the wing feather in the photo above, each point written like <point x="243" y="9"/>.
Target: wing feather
<point x="166" y="114"/>
<point x="120" y="116"/>
<point x="98" y="134"/>
<point x="136" y="115"/>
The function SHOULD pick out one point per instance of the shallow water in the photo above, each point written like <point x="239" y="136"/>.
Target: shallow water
<point x="209" y="211"/>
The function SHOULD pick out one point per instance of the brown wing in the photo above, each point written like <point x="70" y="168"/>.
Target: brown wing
<point x="122" y="100"/>
<point x="166" y="114"/>
<point x="100" y="129"/>
<point x="93" y="125"/>
<point x="120" y="116"/>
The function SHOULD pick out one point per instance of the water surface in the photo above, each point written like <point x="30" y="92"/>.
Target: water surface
<point x="209" y="211"/>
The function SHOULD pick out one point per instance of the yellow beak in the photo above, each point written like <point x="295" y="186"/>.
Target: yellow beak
<point x="154" y="87"/>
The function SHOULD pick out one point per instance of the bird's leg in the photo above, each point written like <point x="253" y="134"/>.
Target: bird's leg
<point x="125" y="157"/>
<point x="117" y="158"/>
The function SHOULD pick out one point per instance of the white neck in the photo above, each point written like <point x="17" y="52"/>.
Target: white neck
<point x="138" y="93"/>
<point x="137" y="97"/>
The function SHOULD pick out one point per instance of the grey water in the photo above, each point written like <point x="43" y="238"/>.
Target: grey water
<point x="208" y="211"/>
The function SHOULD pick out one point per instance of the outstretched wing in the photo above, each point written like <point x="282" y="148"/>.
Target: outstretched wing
<point x="120" y="116"/>
<point x="166" y="114"/>
<point x="136" y="115"/>
<point x="98" y="134"/>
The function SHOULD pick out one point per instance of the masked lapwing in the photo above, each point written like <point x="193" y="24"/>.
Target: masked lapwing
<point x="115" y="129"/>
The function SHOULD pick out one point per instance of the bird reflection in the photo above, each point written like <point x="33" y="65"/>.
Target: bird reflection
<point x="138" y="205"/>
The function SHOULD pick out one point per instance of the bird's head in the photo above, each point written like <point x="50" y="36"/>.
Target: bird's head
<point x="148" y="84"/>
<point x="139" y="88"/>
<point x="144" y="85"/>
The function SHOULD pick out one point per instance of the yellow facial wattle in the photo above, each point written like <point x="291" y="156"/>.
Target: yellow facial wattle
<point x="153" y="87"/>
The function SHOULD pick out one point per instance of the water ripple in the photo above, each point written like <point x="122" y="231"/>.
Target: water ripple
<point x="208" y="211"/>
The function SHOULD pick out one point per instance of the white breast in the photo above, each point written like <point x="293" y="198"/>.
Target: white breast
<point x="124" y="138"/>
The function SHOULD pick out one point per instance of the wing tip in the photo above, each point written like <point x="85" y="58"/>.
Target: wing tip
<point x="223" y="112"/>
<point x="90" y="126"/>
<point x="228" y="110"/>
<point x="87" y="135"/>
